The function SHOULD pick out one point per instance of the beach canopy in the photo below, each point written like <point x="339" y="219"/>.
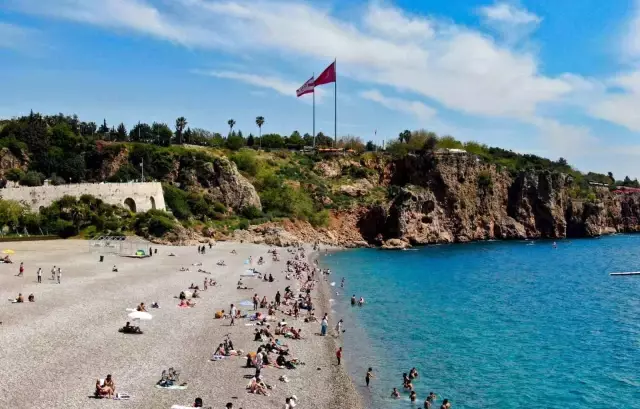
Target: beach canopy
<point x="140" y="315"/>
<point x="8" y="251"/>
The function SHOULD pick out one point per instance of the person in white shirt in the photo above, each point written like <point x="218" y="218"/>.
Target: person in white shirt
<point x="234" y="311"/>
<point x="53" y="273"/>
<point x="39" y="275"/>
<point x="59" y="274"/>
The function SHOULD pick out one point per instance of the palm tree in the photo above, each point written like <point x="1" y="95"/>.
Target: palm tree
<point x="260" y="122"/>
<point x="181" y="123"/>
<point x="231" y="123"/>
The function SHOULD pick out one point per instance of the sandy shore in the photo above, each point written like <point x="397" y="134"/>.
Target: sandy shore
<point x="53" y="350"/>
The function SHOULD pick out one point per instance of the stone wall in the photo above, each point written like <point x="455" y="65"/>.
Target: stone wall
<point x="139" y="197"/>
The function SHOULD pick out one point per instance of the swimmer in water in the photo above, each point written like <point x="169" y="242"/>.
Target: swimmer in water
<point x="353" y="299"/>
<point x="342" y="283"/>
<point x="395" y="394"/>
<point x="361" y="302"/>
<point x="555" y="246"/>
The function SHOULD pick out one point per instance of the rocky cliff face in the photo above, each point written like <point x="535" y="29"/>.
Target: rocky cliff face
<point x="455" y="198"/>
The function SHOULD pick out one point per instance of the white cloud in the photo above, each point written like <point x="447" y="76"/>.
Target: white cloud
<point x="507" y="13"/>
<point x="15" y="37"/>
<point x="460" y="68"/>
<point x="620" y="105"/>
<point x="283" y="87"/>
<point x="417" y="108"/>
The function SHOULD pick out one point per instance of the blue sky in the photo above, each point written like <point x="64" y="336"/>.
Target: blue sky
<point x="554" y="78"/>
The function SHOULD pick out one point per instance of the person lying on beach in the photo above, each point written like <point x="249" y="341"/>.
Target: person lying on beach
<point x="7" y="260"/>
<point x="186" y="304"/>
<point x="234" y="252"/>
<point x="221" y="263"/>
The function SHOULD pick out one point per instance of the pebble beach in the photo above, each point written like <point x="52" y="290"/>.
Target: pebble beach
<point x="53" y="350"/>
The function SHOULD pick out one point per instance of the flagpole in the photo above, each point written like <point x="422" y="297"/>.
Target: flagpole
<point x="335" y="107"/>
<point x="314" y="113"/>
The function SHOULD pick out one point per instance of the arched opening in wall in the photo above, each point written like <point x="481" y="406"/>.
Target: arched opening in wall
<point x="130" y="203"/>
<point x="153" y="203"/>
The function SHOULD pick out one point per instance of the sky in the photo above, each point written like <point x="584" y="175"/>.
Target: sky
<point x="555" y="78"/>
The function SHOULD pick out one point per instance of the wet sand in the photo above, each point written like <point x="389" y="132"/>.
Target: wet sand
<point x="52" y="351"/>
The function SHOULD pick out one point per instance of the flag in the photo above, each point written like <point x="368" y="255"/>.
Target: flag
<point x="306" y="88"/>
<point x="327" y="76"/>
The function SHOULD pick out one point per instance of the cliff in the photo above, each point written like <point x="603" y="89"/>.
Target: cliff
<point x="457" y="198"/>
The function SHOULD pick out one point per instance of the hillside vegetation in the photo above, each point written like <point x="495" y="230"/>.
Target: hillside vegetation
<point x="290" y="184"/>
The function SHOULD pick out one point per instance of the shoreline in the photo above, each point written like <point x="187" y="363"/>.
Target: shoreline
<point x="344" y="393"/>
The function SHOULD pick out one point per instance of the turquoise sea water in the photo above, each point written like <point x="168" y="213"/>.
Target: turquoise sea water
<point x="495" y="324"/>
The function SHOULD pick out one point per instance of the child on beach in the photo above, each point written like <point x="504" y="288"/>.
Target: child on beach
<point x="21" y="270"/>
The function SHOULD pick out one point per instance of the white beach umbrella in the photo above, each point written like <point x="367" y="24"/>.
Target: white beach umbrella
<point x="140" y="315"/>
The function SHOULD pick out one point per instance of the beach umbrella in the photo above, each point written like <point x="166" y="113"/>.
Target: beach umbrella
<point x="8" y="251"/>
<point x="140" y="315"/>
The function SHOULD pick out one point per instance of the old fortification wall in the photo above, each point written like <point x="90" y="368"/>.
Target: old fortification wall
<point x="139" y="197"/>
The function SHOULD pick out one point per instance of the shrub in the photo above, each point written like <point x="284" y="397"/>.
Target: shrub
<point x="319" y="219"/>
<point x="243" y="224"/>
<point x="246" y="160"/>
<point x="484" y="180"/>
<point x="219" y="207"/>
<point x="155" y="223"/>
<point x="65" y="228"/>
<point x="251" y="212"/>
<point x="14" y="175"/>
<point x="176" y="200"/>
<point x="56" y="180"/>
<point x="32" y="178"/>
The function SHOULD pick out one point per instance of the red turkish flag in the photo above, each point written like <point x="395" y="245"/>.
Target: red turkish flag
<point x="306" y="88"/>
<point x="327" y="76"/>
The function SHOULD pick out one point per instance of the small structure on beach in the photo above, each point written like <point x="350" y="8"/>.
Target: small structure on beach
<point x="119" y="245"/>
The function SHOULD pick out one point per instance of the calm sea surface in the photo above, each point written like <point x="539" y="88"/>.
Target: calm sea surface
<point x="496" y="324"/>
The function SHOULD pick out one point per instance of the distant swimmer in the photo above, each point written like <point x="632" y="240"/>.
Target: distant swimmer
<point x="555" y="246"/>
<point x="353" y="299"/>
<point x="395" y="394"/>
<point x="361" y="302"/>
<point x="342" y="283"/>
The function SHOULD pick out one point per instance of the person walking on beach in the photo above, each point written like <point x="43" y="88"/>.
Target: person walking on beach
<point x="53" y="272"/>
<point x="21" y="270"/>
<point x="323" y="326"/>
<point x="339" y="354"/>
<point x="339" y="327"/>
<point x="39" y="273"/>
<point x="59" y="274"/>
<point x="369" y="376"/>
<point x="233" y="314"/>
<point x="256" y="300"/>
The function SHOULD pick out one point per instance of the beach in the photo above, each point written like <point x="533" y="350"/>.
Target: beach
<point x="55" y="348"/>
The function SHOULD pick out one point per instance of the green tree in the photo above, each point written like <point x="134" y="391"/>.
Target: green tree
<point x="260" y="122"/>
<point x="371" y="147"/>
<point x="235" y="142"/>
<point x="188" y="136"/>
<point x="323" y="140"/>
<point x="272" y="140"/>
<point x="104" y="131"/>
<point x="295" y="140"/>
<point x="181" y="124"/>
<point x="250" y="140"/>
<point x="562" y="162"/>
<point x="162" y="134"/>
<point x="10" y="213"/>
<point x="231" y="124"/>
<point x="404" y="136"/>
<point x="141" y="132"/>
<point x="121" y="133"/>
<point x="14" y="174"/>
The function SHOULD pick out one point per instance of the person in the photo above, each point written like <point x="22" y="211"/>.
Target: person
<point x="233" y="313"/>
<point x="323" y="326"/>
<point x="413" y="373"/>
<point x="39" y="273"/>
<point x="445" y="404"/>
<point x="342" y="283"/>
<point x="108" y="382"/>
<point x="339" y="355"/>
<point x="114" y="269"/>
<point x="270" y="278"/>
<point x="278" y="299"/>
<point x="103" y="390"/>
<point x="20" y="298"/>
<point x="197" y="403"/>
<point x="32" y="298"/>
<point x="229" y="405"/>
<point x="255" y="302"/>
<point x="395" y="394"/>
<point x="59" y="274"/>
<point x="339" y="327"/>
<point x="369" y="376"/>
<point x="361" y="302"/>
<point x="353" y="299"/>
<point x="431" y="398"/>
<point x="205" y="284"/>
<point x="413" y="396"/>
<point x="53" y="273"/>
<point x="21" y="270"/>
<point x="142" y="307"/>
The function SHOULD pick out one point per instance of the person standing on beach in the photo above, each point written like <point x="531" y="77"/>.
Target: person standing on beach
<point x="53" y="272"/>
<point x="59" y="274"/>
<point x="278" y="299"/>
<point x="256" y="300"/>
<point x="323" y="325"/>
<point x="369" y="376"/>
<point x="339" y="327"/>
<point x="21" y="270"/>
<point x="39" y="273"/>
<point x="233" y="314"/>
<point x="339" y="354"/>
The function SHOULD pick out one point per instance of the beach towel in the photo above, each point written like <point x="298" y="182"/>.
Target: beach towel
<point x="246" y="303"/>
<point x="172" y="387"/>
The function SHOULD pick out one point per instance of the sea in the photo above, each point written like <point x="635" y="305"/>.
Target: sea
<point x="494" y="324"/>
